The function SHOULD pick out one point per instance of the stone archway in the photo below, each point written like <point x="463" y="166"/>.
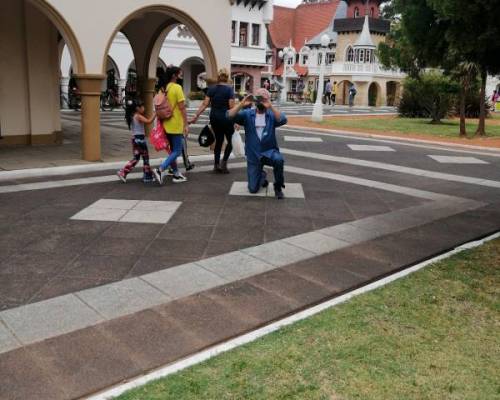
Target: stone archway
<point x="191" y="68"/>
<point x="343" y="92"/>
<point x="393" y="89"/>
<point x="374" y="95"/>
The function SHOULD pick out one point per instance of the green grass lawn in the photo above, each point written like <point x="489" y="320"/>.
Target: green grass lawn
<point x="432" y="335"/>
<point x="448" y="128"/>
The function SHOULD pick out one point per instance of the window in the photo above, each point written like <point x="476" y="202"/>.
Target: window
<point x="330" y="58"/>
<point x="233" y="32"/>
<point x="293" y="85"/>
<point x="356" y="12"/>
<point x="243" y="34"/>
<point x="320" y="58"/>
<point x="305" y="59"/>
<point x="350" y="54"/>
<point x="255" y="34"/>
<point x="238" y="83"/>
<point x="290" y="61"/>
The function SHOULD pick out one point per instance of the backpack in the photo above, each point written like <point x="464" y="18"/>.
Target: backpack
<point x="162" y="107"/>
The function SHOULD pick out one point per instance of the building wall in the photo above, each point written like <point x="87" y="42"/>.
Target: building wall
<point x="29" y="90"/>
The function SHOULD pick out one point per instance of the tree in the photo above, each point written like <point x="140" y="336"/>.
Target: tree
<point x="473" y="31"/>
<point x="466" y="73"/>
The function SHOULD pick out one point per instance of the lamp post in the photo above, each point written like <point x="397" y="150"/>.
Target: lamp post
<point x="286" y="54"/>
<point x="317" y="115"/>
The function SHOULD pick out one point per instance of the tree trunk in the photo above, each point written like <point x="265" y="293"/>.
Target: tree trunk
<point x="463" y="129"/>
<point x="481" y="128"/>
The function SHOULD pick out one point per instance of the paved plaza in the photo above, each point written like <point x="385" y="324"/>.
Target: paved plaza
<point x="102" y="281"/>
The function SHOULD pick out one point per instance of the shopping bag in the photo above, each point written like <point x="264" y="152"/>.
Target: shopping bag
<point x="158" y="138"/>
<point x="238" y="146"/>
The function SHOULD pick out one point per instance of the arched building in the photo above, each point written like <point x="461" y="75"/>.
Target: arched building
<point x="31" y="32"/>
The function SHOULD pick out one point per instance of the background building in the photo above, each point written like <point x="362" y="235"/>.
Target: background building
<point x="355" y="30"/>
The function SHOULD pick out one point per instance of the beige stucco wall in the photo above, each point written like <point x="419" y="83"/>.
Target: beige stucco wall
<point x="106" y="17"/>
<point x="29" y="94"/>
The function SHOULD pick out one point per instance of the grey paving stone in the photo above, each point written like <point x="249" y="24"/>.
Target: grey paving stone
<point x="241" y="189"/>
<point x="115" y="204"/>
<point x="184" y="280"/>
<point x="147" y="217"/>
<point x="317" y="243"/>
<point x="99" y="214"/>
<point x="122" y="298"/>
<point x="49" y="318"/>
<point x="165" y="206"/>
<point x="278" y="253"/>
<point x="7" y="341"/>
<point x="235" y="265"/>
<point x="349" y="233"/>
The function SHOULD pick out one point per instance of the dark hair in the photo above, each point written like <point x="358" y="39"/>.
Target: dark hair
<point x="171" y="71"/>
<point x="130" y="109"/>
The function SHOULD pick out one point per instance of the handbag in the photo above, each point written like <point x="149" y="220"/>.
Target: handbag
<point x="206" y="137"/>
<point x="158" y="138"/>
<point x="238" y="146"/>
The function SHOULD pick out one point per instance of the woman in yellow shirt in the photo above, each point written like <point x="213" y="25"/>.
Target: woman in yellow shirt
<point x="176" y="126"/>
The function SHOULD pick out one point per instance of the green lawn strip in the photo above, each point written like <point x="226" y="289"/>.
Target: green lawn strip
<point x="432" y="335"/>
<point x="448" y="128"/>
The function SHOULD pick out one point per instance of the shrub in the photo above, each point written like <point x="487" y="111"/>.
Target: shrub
<point x="431" y="95"/>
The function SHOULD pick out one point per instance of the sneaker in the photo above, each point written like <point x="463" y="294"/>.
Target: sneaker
<point x="179" y="178"/>
<point x="121" y="176"/>
<point x="169" y="171"/>
<point x="278" y="192"/>
<point x="189" y="167"/>
<point x="157" y="174"/>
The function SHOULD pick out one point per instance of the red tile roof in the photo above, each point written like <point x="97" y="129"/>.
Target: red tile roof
<point x="300" y="24"/>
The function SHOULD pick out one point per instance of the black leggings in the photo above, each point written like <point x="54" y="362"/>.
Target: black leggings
<point x="223" y="128"/>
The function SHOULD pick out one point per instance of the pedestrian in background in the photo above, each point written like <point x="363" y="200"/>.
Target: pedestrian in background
<point x="328" y="92"/>
<point x="352" y="95"/>
<point x="134" y="115"/>
<point x="176" y="126"/>
<point x="220" y="98"/>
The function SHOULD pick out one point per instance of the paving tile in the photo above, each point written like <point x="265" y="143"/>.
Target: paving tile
<point x="115" y="204"/>
<point x="349" y="233"/>
<point x="33" y="263"/>
<point x="362" y="147"/>
<point x="49" y="318"/>
<point x="245" y="299"/>
<point x="457" y="160"/>
<point x="187" y="233"/>
<point x="241" y="189"/>
<point x="7" y="340"/>
<point x="150" y="217"/>
<point x="234" y="266"/>
<point x="137" y="230"/>
<point x="101" y="267"/>
<point x="99" y="214"/>
<point x="122" y="298"/>
<point x="174" y="248"/>
<point x="85" y="361"/>
<point x="323" y="271"/>
<point x="151" y="263"/>
<point x="151" y="340"/>
<point x="278" y="253"/>
<point x="23" y="378"/>
<point x="163" y="206"/>
<point x="183" y="280"/>
<point x="210" y="321"/>
<point x="62" y="285"/>
<point x="60" y="244"/>
<point x="316" y="243"/>
<point x="292" y="287"/>
<point x="112" y="246"/>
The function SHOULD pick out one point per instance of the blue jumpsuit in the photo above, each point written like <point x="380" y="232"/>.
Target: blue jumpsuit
<point x="263" y="151"/>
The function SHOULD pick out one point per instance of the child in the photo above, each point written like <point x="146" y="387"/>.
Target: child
<point x="134" y="115"/>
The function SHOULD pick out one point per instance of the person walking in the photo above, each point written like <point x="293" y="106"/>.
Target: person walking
<point x="352" y="95"/>
<point x="176" y="126"/>
<point x="134" y="115"/>
<point x="334" y="92"/>
<point x="261" y="146"/>
<point x="328" y="92"/>
<point x="221" y="98"/>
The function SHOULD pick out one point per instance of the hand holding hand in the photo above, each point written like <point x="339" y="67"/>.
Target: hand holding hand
<point x="186" y="131"/>
<point x="193" y="120"/>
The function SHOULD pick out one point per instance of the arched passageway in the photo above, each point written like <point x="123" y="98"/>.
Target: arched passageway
<point x="343" y="92"/>
<point x="192" y="68"/>
<point x="393" y="93"/>
<point x="374" y="95"/>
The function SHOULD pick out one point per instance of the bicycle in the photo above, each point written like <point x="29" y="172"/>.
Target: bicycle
<point x="109" y="100"/>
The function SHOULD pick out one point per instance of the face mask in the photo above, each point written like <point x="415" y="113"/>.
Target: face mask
<point x="261" y="107"/>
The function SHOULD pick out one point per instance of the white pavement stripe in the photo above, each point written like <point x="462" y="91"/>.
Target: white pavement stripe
<point x="303" y="139"/>
<point x="368" y="137"/>
<point x="39" y="321"/>
<point x="363" y="147"/>
<point x="458" y="160"/>
<point x="395" y="168"/>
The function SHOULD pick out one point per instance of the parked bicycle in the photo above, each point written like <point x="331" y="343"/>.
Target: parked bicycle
<point x="110" y="100"/>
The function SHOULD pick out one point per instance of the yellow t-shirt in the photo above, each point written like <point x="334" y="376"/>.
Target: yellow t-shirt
<point x="175" y="95"/>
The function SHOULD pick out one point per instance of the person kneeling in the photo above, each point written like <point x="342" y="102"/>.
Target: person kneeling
<point x="261" y="146"/>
